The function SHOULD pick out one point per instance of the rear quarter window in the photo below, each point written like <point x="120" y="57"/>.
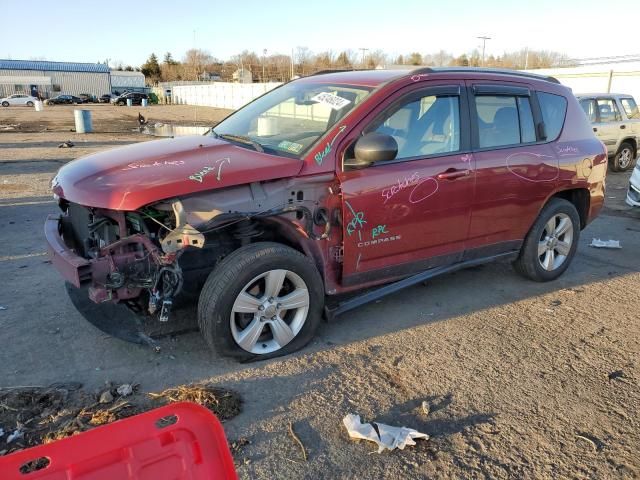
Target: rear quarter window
<point x="554" y="110"/>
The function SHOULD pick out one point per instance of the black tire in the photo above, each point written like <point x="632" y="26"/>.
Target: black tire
<point x="29" y="104"/>
<point x="529" y="260"/>
<point x="624" y="158"/>
<point x="5" y="104"/>
<point x="233" y="274"/>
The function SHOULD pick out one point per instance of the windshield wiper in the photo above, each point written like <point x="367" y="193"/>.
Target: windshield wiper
<point x="240" y="138"/>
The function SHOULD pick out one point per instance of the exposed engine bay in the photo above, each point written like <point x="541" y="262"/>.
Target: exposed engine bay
<point x="160" y="256"/>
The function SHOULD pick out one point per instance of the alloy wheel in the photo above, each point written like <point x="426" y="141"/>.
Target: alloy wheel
<point x="624" y="159"/>
<point x="555" y="242"/>
<point x="269" y="311"/>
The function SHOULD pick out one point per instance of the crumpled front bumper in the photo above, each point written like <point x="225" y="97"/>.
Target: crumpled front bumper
<point x="71" y="266"/>
<point x="633" y="194"/>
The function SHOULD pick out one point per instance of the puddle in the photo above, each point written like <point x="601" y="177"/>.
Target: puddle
<point x="168" y="130"/>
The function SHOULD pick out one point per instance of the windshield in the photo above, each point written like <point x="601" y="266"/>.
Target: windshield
<point x="288" y="120"/>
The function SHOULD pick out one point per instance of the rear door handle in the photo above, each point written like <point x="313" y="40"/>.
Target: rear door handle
<point x="623" y="127"/>
<point x="452" y="174"/>
<point x="595" y="129"/>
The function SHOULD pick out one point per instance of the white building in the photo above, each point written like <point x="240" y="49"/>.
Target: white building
<point x="602" y="78"/>
<point x="122" y="81"/>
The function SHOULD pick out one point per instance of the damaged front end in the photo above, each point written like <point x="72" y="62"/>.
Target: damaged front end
<point x="127" y="257"/>
<point x="160" y="256"/>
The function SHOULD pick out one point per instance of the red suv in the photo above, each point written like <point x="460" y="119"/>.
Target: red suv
<point x="331" y="184"/>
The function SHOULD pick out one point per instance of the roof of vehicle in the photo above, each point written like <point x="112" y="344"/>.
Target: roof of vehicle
<point x="374" y="78"/>
<point x="582" y="95"/>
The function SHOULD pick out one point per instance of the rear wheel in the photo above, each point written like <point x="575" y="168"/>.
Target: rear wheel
<point x="262" y="301"/>
<point x="623" y="160"/>
<point x="551" y="243"/>
<point x="29" y="104"/>
<point x="5" y="104"/>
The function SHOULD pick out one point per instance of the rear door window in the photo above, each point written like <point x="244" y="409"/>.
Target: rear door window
<point x="504" y="120"/>
<point x="553" y="109"/>
<point x="608" y="110"/>
<point x="589" y="107"/>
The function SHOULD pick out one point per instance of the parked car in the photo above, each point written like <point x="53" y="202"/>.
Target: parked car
<point x="633" y="193"/>
<point x="64" y="99"/>
<point x="87" y="98"/>
<point x="332" y="184"/>
<point x="136" y="98"/>
<point x="616" y="122"/>
<point x="19" y="99"/>
<point x="106" y="98"/>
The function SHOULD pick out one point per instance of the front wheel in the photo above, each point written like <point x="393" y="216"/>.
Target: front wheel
<point x="262" y="301"/>
<point x="29" y="104"/>
<point x="623" y="160"/>
<point x="551" y="243"/>
<point x="5" y="104"/>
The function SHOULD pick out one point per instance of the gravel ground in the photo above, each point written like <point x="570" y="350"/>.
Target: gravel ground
<point x="523" y="380"/>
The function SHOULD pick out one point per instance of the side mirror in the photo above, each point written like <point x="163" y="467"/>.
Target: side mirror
<point x="371" y="148"/>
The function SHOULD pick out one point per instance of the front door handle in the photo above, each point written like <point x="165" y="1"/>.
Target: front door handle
<point x="595" y="129"/>
<point x="452" y="174"/>
<point x="623" y="127"/>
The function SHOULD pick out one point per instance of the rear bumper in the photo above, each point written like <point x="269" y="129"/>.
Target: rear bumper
<point x="72" y="267"/>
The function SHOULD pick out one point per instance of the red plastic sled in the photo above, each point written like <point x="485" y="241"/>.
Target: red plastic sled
<point x="178" y="441"/>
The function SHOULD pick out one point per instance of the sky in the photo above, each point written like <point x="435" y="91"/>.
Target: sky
<point x="127" y="32"/>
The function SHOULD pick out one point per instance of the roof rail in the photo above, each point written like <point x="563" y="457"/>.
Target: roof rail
<point x="501" y="71"/>
<point x="323" y="72"/>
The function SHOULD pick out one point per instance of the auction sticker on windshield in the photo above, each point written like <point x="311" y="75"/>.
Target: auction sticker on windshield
<point x="333" y="101"/>
<point x="290" y="146"/>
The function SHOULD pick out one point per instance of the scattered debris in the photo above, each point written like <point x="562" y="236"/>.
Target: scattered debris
<point x="224" y="403"/>
<point x="386" y="436"/>
<point x="142" y="120"/>
<point x="595" y="442"/>
<point x="67" y="144"/>
<point x="106" y="397"/>
<point x="425" y="407"/>
<point x="2" y="307"/>
<point x="124" y="390"/>
<point x="45" y="414"/>
<point x="555" y="303"/>
<point x="615" y="375"/>
<point x="16" y="435"/>
<point x="298" y="441"/>
<point x="596" y="242"/>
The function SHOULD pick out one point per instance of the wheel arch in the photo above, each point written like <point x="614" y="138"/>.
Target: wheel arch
<point x="632" y="141"/>
<point x="580" y="198"/>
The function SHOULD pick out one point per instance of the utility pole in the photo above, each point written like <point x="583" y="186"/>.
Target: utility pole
<point x="264" y="55"/>
<point x="484" y="44"/>
<point x="363" y="50"/>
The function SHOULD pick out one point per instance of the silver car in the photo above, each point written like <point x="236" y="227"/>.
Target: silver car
<point x="616" y="122"/>
<point x="19" y="99"/>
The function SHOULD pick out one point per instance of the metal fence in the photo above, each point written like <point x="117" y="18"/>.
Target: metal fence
<point x="219" y="94"/>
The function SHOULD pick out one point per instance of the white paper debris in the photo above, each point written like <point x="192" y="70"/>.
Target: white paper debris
<point x="16" y="435"/>
<point x="125" y="390"/>
<point x="390" y="437"/>
<point x="596" y="242"/>
<point x="332" y="101"/>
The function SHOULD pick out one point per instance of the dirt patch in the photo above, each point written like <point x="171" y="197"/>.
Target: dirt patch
<point x="106" y="118"/>
<point x="34" y="415"/>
